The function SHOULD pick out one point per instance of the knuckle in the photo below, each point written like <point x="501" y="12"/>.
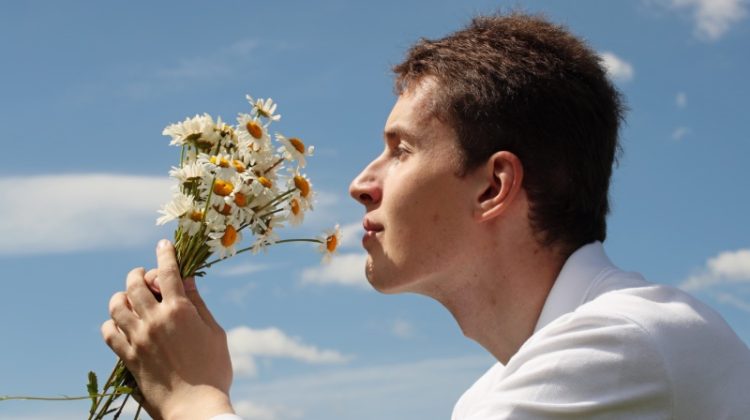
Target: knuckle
<point x="169" y="267"/>
<point x="136" y="272"/>
<point x="115" y="301"/>
<point x="134" y="278"/>
<point x="141" y="342"/>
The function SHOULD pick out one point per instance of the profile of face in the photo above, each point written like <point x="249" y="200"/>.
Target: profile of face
<point x="417" y="208"/>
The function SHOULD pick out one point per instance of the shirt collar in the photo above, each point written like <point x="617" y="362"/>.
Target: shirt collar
<point x="572" y="285"/>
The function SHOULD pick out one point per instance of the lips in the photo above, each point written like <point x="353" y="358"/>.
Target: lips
<point x="371" y="226"/>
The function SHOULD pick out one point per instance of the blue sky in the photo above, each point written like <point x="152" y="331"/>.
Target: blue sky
<point x="87" y="88"/>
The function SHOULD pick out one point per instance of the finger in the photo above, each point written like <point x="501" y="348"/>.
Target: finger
<point x="121" y="313"/>
<point x="170" y="282"/>
<point x="152" y="279"/>
<point x="140" y="296"/>
<point x="116" y="340"/>
<point x="192" y="293"/>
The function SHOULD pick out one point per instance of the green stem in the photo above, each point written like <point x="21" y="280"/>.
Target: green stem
<point x="209" y="264"/>
<point x="273" y="166"/>
<point x="278" y="198"/>
<point x="63" y="398"/>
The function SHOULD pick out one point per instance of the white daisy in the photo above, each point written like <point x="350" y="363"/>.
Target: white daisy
<point x="199" y="131"/>
<point x="330" y="242"/>
<point x="264" y="108"/>
<point x="303" y="188"/>
<point x="293" y="149"/>
<point x="296" y="212"/>
<point x="188" y="173"/>
<point x="223" y="242"/>
<point x="175" y="209"/>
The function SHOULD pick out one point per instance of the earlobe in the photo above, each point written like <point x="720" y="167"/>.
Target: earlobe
<point x="502" y="178"/>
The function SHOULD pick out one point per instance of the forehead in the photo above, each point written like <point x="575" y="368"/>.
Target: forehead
<point x="413" y="114"/>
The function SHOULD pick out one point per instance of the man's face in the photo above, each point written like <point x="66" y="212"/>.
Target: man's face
<point x="417" y="209"/>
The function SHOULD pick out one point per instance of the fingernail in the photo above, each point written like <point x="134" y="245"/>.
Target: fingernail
<point x="189" y="284"/>
<point x="162" y="244"/>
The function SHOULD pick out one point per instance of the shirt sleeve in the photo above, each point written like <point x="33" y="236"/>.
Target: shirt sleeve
<point x="583" y="365"/>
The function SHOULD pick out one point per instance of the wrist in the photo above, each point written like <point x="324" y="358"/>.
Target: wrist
<point x="200" y="403"/>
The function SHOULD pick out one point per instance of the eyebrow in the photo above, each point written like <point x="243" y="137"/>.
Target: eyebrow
<point x="401" y="133"/>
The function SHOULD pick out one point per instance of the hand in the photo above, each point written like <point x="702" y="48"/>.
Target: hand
<point x="174" y="348"/>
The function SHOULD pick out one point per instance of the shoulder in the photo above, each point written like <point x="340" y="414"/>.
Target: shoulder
<point x="579" y="366"/>
<point x="636" y="350"/>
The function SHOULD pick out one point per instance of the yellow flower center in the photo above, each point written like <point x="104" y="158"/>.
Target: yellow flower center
<point x="302" y="185"/>
<point x="254" y="129"/>
<point x="238" y="166"/>
<point x="331" y="243"/>
<point x="223" y="188"/>
<point x="265" y="182"/>
<point x="223" y="162"/>
<point x="226" y="210"/>
<point x="196" y="215"/>
<point x="240" y="199"/>
<point x="295" y="206"/>
<point x="297" y="143"/>
<point x="230" y="236"/>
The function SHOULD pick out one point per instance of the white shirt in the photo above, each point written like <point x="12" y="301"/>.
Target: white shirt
<point x="609" y="345"/>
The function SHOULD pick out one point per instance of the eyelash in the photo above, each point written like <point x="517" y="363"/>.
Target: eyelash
<point x="399" y="151"/>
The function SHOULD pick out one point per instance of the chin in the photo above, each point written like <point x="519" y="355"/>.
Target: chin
<point x="388" y="282"/>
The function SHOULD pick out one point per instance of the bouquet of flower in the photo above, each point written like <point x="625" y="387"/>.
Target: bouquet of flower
<point x="232" y="182"/>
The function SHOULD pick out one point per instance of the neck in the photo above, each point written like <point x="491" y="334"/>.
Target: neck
<point x="497" y="303"/>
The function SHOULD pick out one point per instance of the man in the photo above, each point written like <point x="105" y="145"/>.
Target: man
<point x="490" y="196"/>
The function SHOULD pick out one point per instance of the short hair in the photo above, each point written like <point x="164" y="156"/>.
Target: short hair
<point x="520" y="83"/>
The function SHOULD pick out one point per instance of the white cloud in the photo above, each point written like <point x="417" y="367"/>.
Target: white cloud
<point x="239" y="295"/>
<point x="250" y="410"/>
<point x="733" y="300"/>
<point x="75" y="212"/>
<point x="681" y="99"/>
<point x="727" y="267"/>
<point x="242" y="269"/>
<point x="402" y="328"/>
<point x="351" y="235"/>
<point x="712" y="18"/>
<point x="344" y="269"/>
<point x="413" y="390"/>
<point x="617" y="68"/>
<point x="218" y="64"/>
<point x="246" y="344"/>
<point x="679" y="133"/>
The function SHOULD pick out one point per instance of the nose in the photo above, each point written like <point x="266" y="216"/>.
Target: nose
<point x="366" y="187"/>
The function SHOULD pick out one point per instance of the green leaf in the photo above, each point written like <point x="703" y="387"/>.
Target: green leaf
<point x="93" y="389"/>
<point x="124" y="390"/>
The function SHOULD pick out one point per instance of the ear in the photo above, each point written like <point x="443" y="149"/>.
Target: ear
<point x="500" y="179"/>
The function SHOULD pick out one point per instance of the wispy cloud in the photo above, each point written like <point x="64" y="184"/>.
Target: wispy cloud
<point x="732" y="300"/>
<point x="417" y="389"/>
<point x="351" y="235"/>
<point x="247" y="344"/>
<point x="712" y="19"/>
<point x="402" y="328"/>
<point x="242" y="269"/>
<point x="679" y="133"/>
<point x="344" y="269"/>
<point x="76" y="212"/>
<point x="681" y="100"/>
<point x="214" y="65"/>
<point x="617" y="68"/>
<point x="727" y="267"/>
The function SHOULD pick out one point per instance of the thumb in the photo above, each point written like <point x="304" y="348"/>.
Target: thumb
<point x="191" y="291"/>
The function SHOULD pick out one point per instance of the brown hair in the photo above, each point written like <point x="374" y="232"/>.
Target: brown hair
<point x="522" y="84"/>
